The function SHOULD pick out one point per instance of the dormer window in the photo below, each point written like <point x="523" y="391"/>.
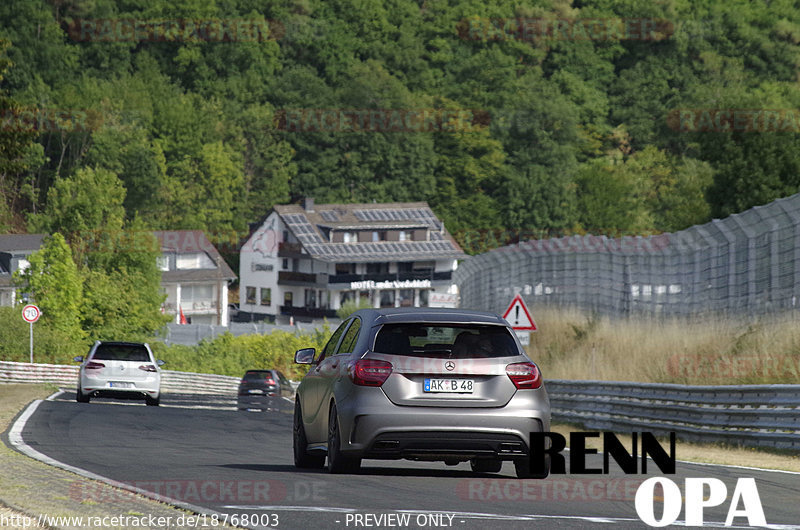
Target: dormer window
<point x="406" y="235"/>
<point x="350" y="237"/>
<point x="194" y="260"/>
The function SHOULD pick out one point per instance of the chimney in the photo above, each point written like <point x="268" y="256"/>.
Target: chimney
<point x="308" y="204"/>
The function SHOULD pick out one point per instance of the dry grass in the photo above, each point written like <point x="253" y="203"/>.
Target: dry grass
<point x="571" y="345"/>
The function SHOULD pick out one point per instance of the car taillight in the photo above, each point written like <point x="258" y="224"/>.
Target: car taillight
<point x="524" y="375"/>
<point x="94" y="366"/>
<point x="270" y="381"/>
<point x="147" y="368"/>
<point x="368" y="372"/>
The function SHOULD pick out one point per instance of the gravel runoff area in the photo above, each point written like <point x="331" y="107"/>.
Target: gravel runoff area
<point x="36" y="495"/>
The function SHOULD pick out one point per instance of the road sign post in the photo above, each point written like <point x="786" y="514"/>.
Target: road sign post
<point x="30" y="314"/>
<point x="520" y="319"/>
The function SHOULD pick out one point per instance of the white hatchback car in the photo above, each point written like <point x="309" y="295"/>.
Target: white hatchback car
<point x="119" y="369"/>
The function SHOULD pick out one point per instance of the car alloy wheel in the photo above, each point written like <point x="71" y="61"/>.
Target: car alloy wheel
<point x="299" y="442"/>
<point x="338" y="462"/>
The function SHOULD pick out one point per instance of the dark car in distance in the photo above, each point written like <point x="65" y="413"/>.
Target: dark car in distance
<point x="263" y="390"/>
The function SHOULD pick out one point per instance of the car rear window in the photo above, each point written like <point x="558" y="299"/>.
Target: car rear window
<point x="254" y="376"/>
<point x="454" y="341"/>
<point x="121" y="352"/>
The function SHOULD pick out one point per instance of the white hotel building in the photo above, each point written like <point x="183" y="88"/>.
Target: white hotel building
<point x="305" y="261"/>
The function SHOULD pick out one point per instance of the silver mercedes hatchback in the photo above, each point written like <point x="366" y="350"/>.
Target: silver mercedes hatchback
<point x="423" y="384"/>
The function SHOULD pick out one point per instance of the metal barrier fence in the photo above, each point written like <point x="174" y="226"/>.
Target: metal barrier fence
<point x="748" y="263"/>
<point x="754" y="415"/>
<point x="67" y="377"/>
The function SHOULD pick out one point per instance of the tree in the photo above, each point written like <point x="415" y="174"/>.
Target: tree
<point x="17" y="152"/>
<point x="88" y="202"/>
<point x="123" y="288"/>
<point x="53" y="282"/>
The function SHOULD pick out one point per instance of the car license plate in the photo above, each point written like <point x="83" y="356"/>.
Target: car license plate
<point x="452" y="386"/>
<point x="255" y="391"/>
<point x="117" y="384"/>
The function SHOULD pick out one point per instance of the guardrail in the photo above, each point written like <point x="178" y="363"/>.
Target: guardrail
<point x="67" y="376"/>
<point x="753" y="415"/>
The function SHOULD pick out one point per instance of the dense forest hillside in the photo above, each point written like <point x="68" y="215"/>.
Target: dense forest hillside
<point x="516" y="118"/>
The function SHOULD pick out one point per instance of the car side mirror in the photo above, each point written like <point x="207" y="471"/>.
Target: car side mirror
<point x="78" y="359"/>
<point x="305" y="356"/>
<point x="160" y="362"/>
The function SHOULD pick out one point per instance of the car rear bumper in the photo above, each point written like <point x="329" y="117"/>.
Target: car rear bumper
<point x="100" y="386"/>
<point x="376" y="428"/>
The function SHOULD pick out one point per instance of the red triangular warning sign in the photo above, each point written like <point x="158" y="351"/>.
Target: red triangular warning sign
<point x="518" y="316"/>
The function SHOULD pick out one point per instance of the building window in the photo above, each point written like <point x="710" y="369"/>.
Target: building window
<point x="377" y="268"/>
<point x="195" y="260"/>
<point x="406" y="235"/>
<point x="288" y="299"/>
<point x="266" y="296"/>
<point x="350" y="237"/>
<point x="406" y="297"/>
<point x="198" y="296"/>
<point x="424" y="266"/>
<point x="387" y="298"/>
<point x="311" y="298"/>
<point x="345" y="268"/>
<point x="379" y="235"/>
<point x="285" y="264"/>
<point x="285" y="236"/>
<point x="251" y="295"/>
<point x="162" y="262"/>
<point x="423" y="297"/>
<point x="346" y="296"/>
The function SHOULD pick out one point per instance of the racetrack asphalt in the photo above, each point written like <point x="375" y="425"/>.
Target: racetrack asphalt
<point x="201" y="451"/>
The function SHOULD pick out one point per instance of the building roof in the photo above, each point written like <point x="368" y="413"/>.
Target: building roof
<point x="190" y="242"/>
<point x="11" y="244"/>
<point x="21" y="242"/>
<point x="306" y="223"/>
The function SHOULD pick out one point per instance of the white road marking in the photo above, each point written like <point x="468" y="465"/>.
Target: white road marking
<point x="55" y="395"/>
<point x="481" y="516"/>
<point x="16" y="440"/>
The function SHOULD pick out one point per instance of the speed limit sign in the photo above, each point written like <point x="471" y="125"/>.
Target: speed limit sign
<point x="31" y="313"/>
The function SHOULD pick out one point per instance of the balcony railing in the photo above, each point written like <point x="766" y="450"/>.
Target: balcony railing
<point x="388" y="277"/>
<point x="309" y="312"/>
<point x="290" y="250"/>
<point x="189" y="306"/>
<point x="301" y="278"/>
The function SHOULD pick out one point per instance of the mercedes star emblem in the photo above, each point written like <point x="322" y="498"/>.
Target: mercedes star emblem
<point x="450" y="366"/>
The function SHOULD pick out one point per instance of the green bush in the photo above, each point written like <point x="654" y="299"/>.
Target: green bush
<point x="50" y="345"/>
<point x="351" y="306"/>
<point x="230" y="355"/>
